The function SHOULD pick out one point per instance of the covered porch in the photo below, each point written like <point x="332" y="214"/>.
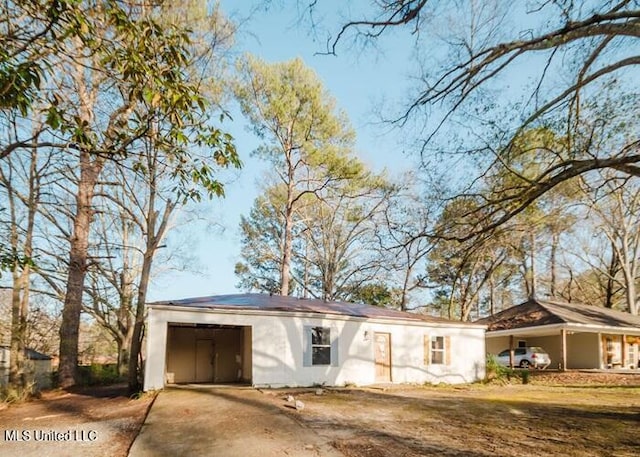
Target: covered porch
<point x="574" y="346"/>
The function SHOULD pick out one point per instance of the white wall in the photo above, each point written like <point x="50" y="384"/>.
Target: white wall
<point x="277" y="344"/>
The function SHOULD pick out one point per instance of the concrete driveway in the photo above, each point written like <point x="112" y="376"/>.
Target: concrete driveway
<point x="221" y="421"/>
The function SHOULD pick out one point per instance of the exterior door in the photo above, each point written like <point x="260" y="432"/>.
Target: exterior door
<point x="205" y="360"/>
<point x="382" y="354"/>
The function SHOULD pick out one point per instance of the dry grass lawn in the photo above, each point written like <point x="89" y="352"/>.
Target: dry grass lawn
<point x="563" y="414"/>
<point x="542" y="418"/>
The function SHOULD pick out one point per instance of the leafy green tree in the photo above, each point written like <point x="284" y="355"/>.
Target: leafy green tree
<point x="261" y="249"/>
<point x="376" y="294"/>
<point x="119" y="82"/>
<point x="31" y="33"/>
<point x="459" y="272"/>
<point x="306" y="139"/>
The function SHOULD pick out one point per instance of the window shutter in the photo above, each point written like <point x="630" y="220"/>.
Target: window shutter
<point x="306" y="346"/>
<point x="447" y="350"/>
<point x="427" y="349"/>
<point x="334" y="347"/>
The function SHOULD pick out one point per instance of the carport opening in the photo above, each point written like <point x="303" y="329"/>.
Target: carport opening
<point x="208" y="353"/>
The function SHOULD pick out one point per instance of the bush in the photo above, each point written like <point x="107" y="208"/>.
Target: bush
<point x="11" y="394"/>
<point x="495" y="371"/>
<point x="98" y="374"/>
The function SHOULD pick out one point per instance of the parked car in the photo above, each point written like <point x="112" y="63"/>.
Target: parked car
<point x="532" y="356"/>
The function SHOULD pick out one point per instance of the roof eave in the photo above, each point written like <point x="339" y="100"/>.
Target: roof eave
<point x="329" y="316"/>
<point x="542" y="330"/>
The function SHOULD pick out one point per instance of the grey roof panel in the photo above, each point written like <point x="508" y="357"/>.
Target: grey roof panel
<point x="267" y="302"/>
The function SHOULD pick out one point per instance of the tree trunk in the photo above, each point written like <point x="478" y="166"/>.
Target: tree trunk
<point x="69" y="328"/>
<point x="155" y="233"/>
<point x="630" y="293"/>
<point x="285" y="273"/>
<point x="124" y="352"/>
<point x="19" y="309"/>
<point x="611" y="274"/>
<point x="20" y="283"/>
<point x="555" y="240"/>
<point x="534" y="285"/>
<point x="405" y="287"/>
<point x="492" y="296"/>
<point x="135" y="375"/>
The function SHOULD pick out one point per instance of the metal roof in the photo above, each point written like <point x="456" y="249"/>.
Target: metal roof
<point x="30" y="353"/>
<point x="266" y="302"/>
<point x="535" y="313"/>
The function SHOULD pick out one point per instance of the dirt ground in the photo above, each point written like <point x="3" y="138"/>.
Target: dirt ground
<point x="569" y="414"/>
<point x="225" y="421"/>
<point x="98" y="421"/>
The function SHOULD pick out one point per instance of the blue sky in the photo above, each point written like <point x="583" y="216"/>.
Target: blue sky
<point x="359" y="81"/>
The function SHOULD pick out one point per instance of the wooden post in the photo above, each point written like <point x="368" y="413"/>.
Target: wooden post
<point x="511" y="354"/>
<point x="601" y="363"/>
<point x="563" y="349"/>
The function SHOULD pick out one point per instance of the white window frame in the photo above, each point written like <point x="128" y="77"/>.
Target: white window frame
<point x="438" y="350"/>
<point x="322" y="346"/>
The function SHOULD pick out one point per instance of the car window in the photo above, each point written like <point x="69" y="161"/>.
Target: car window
<point x="538" y="349"/>
<point x="504" y="353"/>
<point x="521" y="351"/>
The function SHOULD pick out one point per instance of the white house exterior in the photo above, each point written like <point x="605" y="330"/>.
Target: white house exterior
<point x="280" y="341"/>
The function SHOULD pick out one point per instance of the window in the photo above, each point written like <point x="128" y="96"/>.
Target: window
<point x="437" y="350"/>
<point x="320" y="346"/>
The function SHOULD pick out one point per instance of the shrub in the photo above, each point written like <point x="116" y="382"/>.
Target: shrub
<point x="98" y="374"/>
<point x="495" y="371"/>
<point x="11" y="394"/>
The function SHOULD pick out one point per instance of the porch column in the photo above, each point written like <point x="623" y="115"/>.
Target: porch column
<point x="623" y="350"/>
<point x="600" y="353"/>
<point x="511" y="354"/>
<point x="563" y="349"/>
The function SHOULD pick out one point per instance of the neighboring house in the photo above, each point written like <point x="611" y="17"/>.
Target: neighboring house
<point x="279" y="341"/>
<point x="37" y="367"/>
<point x="575" y="336"/>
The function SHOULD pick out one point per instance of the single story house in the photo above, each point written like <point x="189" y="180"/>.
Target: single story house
<point x="38" y="367"/>
<point x="277" y="341"/>
<point x="576" y="336"/>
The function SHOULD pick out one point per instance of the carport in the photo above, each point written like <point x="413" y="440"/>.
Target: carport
<point x="208" y="353"/>
<point x="575" y="336"/>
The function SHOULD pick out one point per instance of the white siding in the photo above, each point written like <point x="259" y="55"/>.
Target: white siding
<point x="277" y="348"/>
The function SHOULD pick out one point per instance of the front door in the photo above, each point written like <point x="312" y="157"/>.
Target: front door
<point x="382" y="354"/>
<point x="205" y="360"/>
